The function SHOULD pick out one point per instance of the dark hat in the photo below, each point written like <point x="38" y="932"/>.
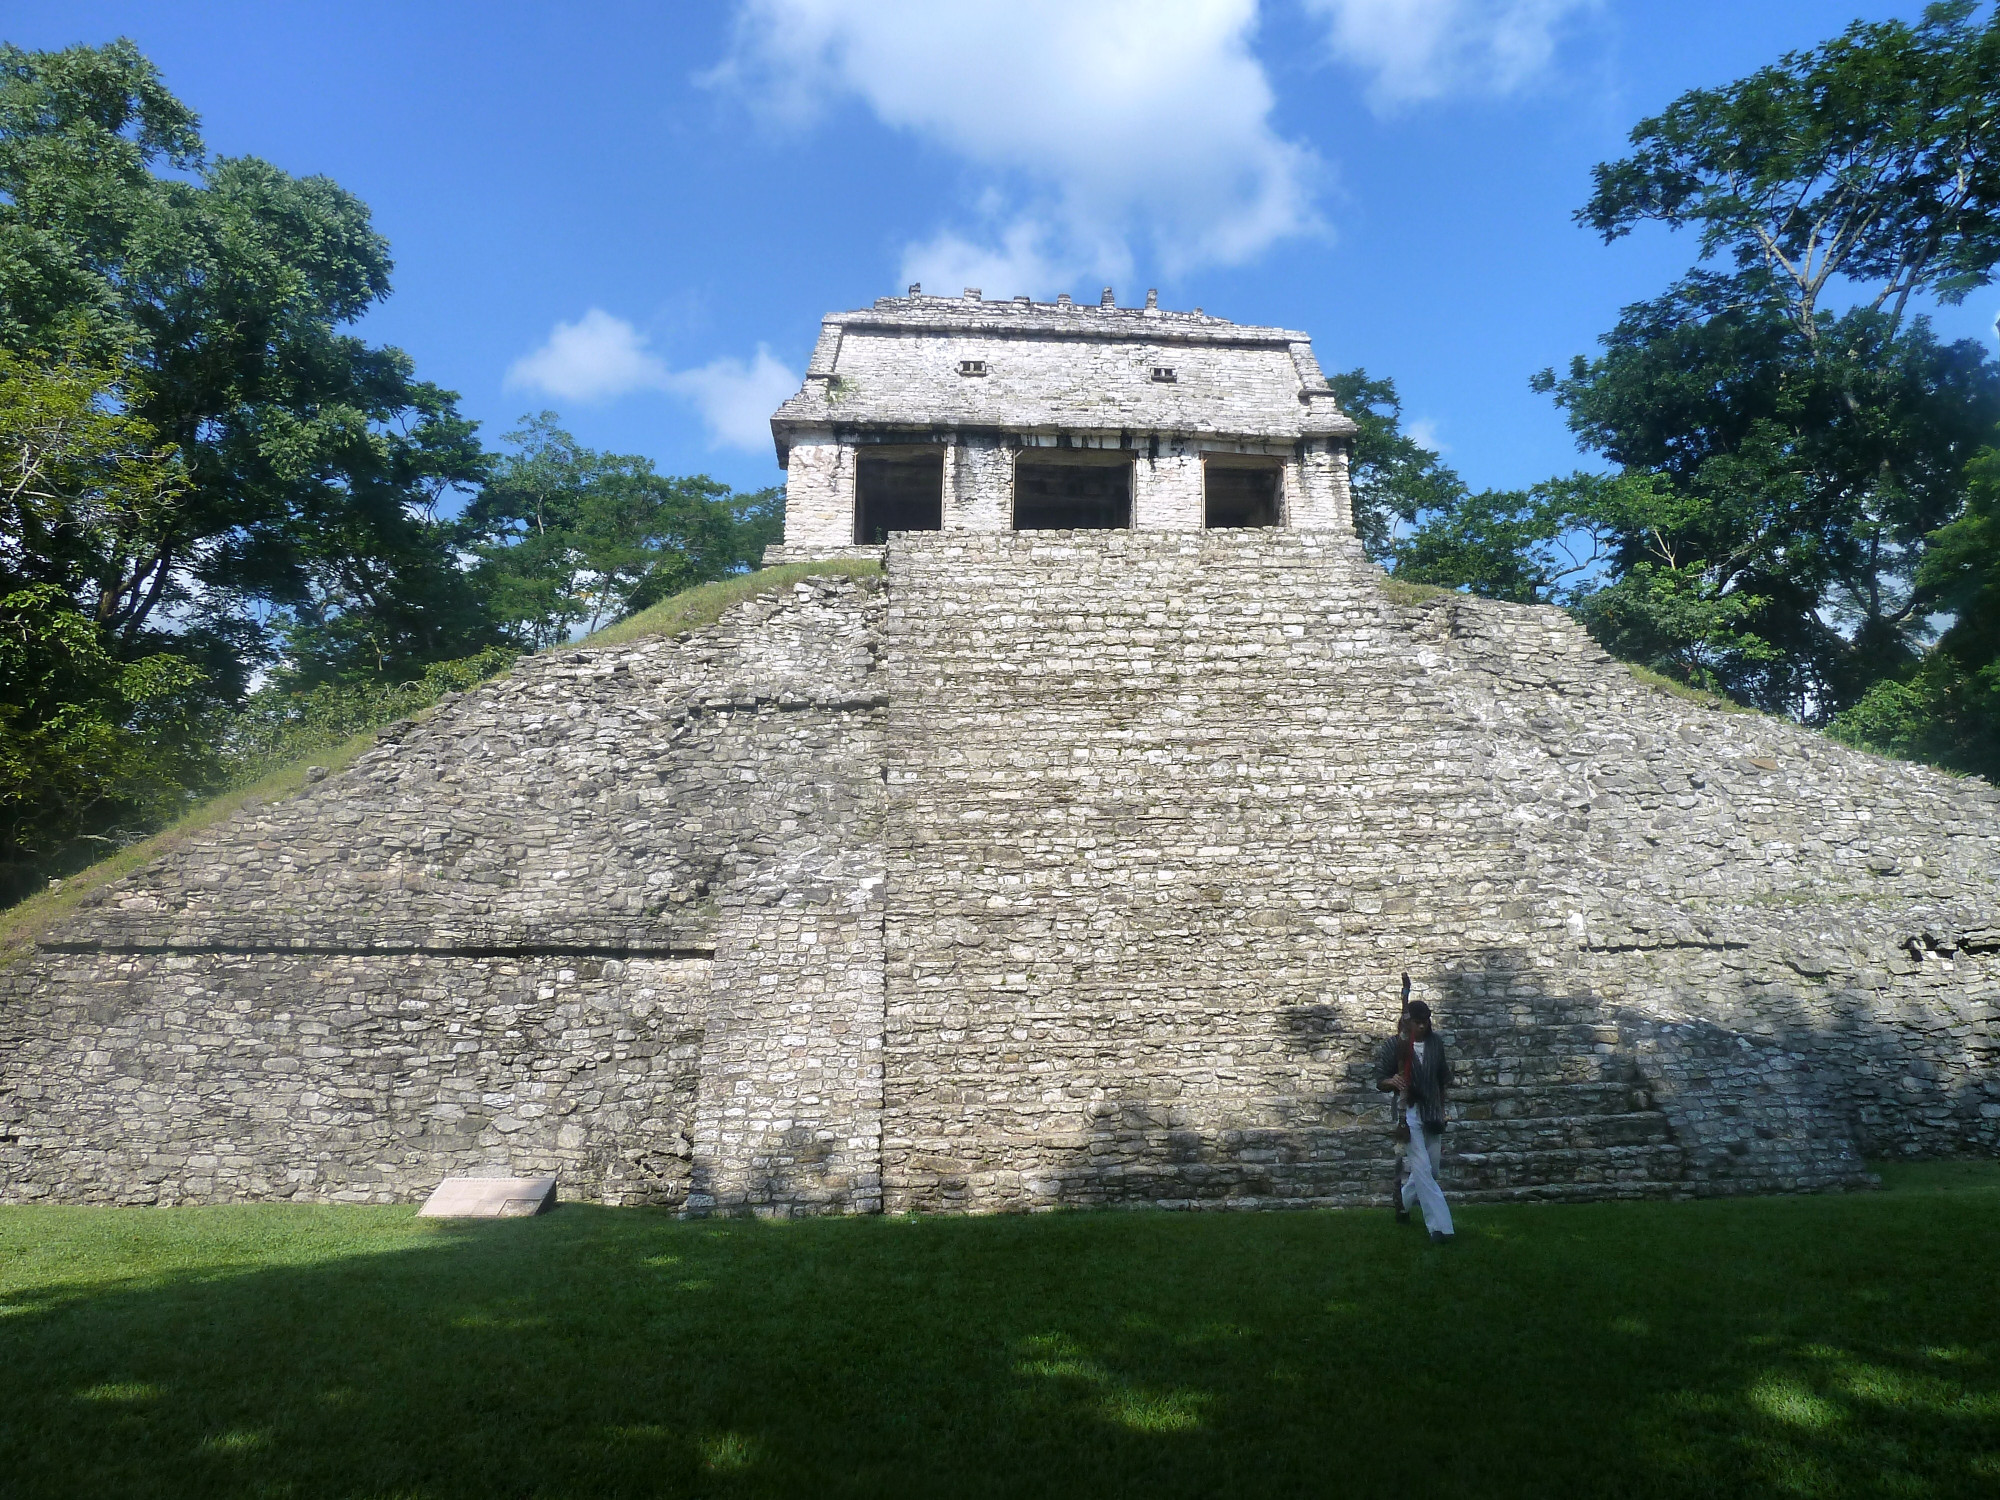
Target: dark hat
<point x="1418" y="1011"/>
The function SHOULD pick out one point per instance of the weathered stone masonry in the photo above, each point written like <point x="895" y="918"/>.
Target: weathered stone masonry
<point x="1056" y="868"/>
<point x="1075" y="860"/>
<point x="967" y="395"/>
<point x="538" y="927"/>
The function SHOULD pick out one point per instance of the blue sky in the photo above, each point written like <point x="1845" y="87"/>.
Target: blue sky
<point x="636" y="214"/>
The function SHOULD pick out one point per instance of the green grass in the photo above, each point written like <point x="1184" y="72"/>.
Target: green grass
<point x="702" y="606"/>
<point x="1409" y="595"/>
<point x="1659" y="682"/>
<point x="1788" y="1346"/>
<point x="24" y="923"/>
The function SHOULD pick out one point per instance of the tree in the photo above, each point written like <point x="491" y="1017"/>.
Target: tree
<point x="1393" y="478"/>
<point x="86" y="487"/>
<point x="220" y="288"/>
<point x="1800" y="455"/>
<point x="568" y="536"/>
<point x="1417" y="517"/>
<point x="1868" y="160"/>
<point x="1790" y="491"/>
<point x="88" y="744"/>
<point x="1532" y="546"/>
<point x="1946" y="708"/>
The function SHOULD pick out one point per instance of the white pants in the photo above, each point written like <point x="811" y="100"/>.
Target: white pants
<point x="1433" y="1143"/>
<point x="1420" y="1159"/>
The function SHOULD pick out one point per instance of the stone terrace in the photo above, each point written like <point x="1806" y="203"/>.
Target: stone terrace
<point x="1054" y="868"/>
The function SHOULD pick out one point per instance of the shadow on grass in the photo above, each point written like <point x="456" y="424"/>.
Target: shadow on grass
<point x="1816" y="1346"/>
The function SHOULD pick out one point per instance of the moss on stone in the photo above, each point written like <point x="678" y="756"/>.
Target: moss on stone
<point x="24" y="923"/>
<point x="703" y="606"/>
<point x="1661" y="683"/>
<point x="1410" y="595"/>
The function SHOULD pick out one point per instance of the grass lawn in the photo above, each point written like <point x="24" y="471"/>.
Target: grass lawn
<point x="1789" y="1346"/>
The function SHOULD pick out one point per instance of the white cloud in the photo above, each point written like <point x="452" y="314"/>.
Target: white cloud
<point x="594" y="357"/>
<point x="600" y="356"/>
<point x="1426" y="49"/>
<point x="1103" y="128"/>
<point x="736" y="397"/>
<point x="1020" y="261"/>
<point x="1424" y="433"/>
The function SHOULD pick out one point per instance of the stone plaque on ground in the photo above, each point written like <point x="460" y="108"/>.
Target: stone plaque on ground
<point x="489" y="1198"/>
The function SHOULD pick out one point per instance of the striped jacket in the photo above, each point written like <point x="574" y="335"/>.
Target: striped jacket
<point x="1428" y="1079"/>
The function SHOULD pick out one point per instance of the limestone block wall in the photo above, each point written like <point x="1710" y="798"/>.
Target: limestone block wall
<point x="1317" y="495"/>
<point x="1751" y="1116"/>
<point x="1168" y="815"/>
<point x="493" y="941"/>
<point x="194" y="1077"/>
<point x="819" y="492"/>
<point x="1225" y="385"/>
<point x="789" y="1117"/>
<point x="1167" y="489"/>
<point x="1049" y="868"/>
<point x="1739" y="868"/>
<point x="979" y="485"/>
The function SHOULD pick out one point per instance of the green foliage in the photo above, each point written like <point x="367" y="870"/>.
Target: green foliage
<point x="568" y="536"/>
<point x="83" y="482"/>
<point x="1867" y="159"/>
<point x="1675" y="688"/>
<point x="1939" y="712"/>
<point x="206" y="480"/>
<point x="1393" y="477"/>
<point x="1418" y="518"/>
<point x="24" y="924"/>
<point x="1791" y="489"/>
<point x="283" y="723"/>
<point x="308" y="462"/>
<point x="1842" y="1345"/>
<point x="1786" y="467"/>
<point x="262" y="752"/>
<point x="89" y="744"/>
<point x="1946" y="707"/>
<point x="1519" y="545"/>
<point x="1961" y="571"/>
<point x="1402" y="592"/>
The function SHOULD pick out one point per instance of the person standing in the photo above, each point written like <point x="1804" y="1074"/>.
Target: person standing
<point x="1416" y="1068"/>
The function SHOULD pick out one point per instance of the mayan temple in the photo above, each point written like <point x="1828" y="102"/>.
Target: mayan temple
<point x="1072" y="859"/>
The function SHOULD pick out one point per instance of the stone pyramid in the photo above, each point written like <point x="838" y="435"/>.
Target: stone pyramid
<point x="1051" y="868"/>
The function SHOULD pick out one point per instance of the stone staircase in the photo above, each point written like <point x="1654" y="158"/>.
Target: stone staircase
<point x="1167" y="815"/>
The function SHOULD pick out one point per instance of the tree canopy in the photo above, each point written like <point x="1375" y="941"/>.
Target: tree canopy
<point x="1788" y="438"/>
<point x="230" y="528"/>
<point x="1867" y="160"/>
<point x="570" y="537"/>
<point x="216" y="291"/>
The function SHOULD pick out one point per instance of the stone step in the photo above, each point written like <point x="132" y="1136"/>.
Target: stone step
<point x="1507" y="1102"/>
<point x="1561" y="1143"/>
<point x="1474" y="1171"/>
<point x="1517" y="1101"/>
<point x="1483" y="1137"/>
<point x="1525" y="1070"/>
<point x="1576" y="1192"/>
<point x="1377" y="1196"/>
<point x="1357" y="1177"/>
<point x="1544" y="1072"/>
